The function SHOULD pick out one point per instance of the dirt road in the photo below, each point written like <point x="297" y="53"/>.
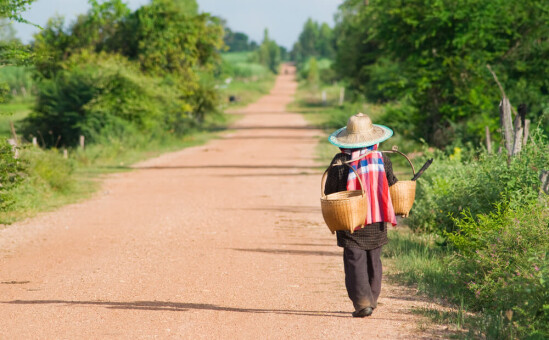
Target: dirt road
<point x="220" y="241"/>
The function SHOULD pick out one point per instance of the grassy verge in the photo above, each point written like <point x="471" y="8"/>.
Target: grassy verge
<point x="53" y="181"/>
<point x="245" y="80"/>
<point x="247" y="90"/>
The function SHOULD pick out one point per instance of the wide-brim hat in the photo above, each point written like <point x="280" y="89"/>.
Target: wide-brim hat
<point x="360" y="133"/>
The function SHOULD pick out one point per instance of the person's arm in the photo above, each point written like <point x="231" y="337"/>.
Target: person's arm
<point x="337" y="175"/>
<point x="391" y="178"/>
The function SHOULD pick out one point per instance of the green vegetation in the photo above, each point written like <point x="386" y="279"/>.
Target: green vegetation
<point x="316" y="40"/>
<point x="238" y="41"/>
<point x="479" y="227"/>
<point x="269" y="53"/>
<point x="129" y="84"/>
<point x="433" y="56"/>
<point x="246" y="80"/>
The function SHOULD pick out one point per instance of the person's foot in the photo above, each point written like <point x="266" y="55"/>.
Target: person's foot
<point x="363" y="312"/>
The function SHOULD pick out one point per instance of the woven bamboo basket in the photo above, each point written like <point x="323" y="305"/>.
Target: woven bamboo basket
<point x="403" y="193"/>
<point x="344" y="210"/>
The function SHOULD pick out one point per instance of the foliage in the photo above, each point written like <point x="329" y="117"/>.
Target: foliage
<point x="119" y="72"/>
<point x="18" y="78"/>
<point x="12" y="172"/>
<point x="108" y="95"/>
<point x="238" y="41"/>
<point x="242" y="65"/>
<point x="326" y="74"/>
<point x="12" y="52"/>
<point x="502" y="259"/>
<point x="312" y="73"/>
<point x="49" y="168"/>
<point x="434" y="54"/>
<point x="269" y="53"/>
<point x="315" y="40"/>
<point x="12" y="9"/>
<point x="466" y="182"/>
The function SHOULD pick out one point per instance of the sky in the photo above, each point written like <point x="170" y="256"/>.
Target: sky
<point x="283" y="18"/>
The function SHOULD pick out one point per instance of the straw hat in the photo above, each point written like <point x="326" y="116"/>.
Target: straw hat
<point x="360" y="133"/>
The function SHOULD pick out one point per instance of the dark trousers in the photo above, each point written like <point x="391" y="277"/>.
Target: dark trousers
<point x="363" y="276"/>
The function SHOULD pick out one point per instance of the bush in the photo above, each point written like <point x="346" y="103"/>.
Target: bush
<point x="12" y="173"/>
<point x="503" y="261"/>
<point x="108" y="95"/>
<point x="453" y="185"/>
<point x="48" y="168"/>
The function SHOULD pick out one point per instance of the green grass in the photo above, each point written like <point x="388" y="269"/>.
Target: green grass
<point x="236" y="57"/>
<point x="419" y="260"/>
<point x="53" y="181"/>
<point x="247" y="91"/>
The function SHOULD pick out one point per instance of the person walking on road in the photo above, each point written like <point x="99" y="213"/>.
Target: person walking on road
<point x="359" y="141"/>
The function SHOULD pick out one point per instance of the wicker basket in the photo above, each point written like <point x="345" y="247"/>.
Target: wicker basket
<point x="403" y="193"/>
<point x="344" y="210"/>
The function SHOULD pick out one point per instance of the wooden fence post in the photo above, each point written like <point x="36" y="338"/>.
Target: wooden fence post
<point x="65" y="153"/>
<point x="517" y="136"/>
<point x="14" y="147"/>
<point x="82" y="142"/>
<point x="488" y="140"/>
<point x="324" y="99"/>
<point x="526" y="131"/>
<point x="506" y="124"/>
<point x="544" y="178"/>
<point x="34" y="141"/>
<point x="341" y="96"/>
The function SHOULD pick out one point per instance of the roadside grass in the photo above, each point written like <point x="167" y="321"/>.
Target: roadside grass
<point x="53" y="181"/>
<point x="245" y="79"/>
<point x="247" y="91"/>
<point x="420" y="261"/>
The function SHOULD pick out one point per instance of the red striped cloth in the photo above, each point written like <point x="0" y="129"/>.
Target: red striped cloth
<point x="372" y="172"/>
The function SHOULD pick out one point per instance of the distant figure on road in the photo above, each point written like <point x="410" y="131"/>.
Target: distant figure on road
<point x="362" y="249"/>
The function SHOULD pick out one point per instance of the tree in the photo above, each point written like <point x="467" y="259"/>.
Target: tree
<point x="237" y="41"/>
<point x="434" y="55"/>
<point x="269" y="53"/>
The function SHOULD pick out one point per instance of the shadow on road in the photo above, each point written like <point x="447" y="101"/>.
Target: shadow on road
<point x="291" y="252"/>
<point x="178" y="307"/>
<point x="214" y="166"/>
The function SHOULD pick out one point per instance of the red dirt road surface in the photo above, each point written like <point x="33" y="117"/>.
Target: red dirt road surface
<point x="220" y="241"/>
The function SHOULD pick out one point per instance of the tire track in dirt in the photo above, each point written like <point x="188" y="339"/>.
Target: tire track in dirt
<point x="222" y="241"/>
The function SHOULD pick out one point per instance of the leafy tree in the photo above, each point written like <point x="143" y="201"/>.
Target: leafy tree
<point x="237" y="41"/>
<point x="11" y="52"/>
<point x="268" y="53"/>
<point x="315" y="40"/>
<point x="116" y="72"/>
<point x="312" y="74"/>
<point x="434" y="53"/>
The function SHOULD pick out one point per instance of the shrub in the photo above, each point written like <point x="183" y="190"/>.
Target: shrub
<point x="108" y="95"/>
<point x="503" y="262"/>
<point x="12" y="173"/>
<point x="452" y="185"/>
<point x="49" y="168"/>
